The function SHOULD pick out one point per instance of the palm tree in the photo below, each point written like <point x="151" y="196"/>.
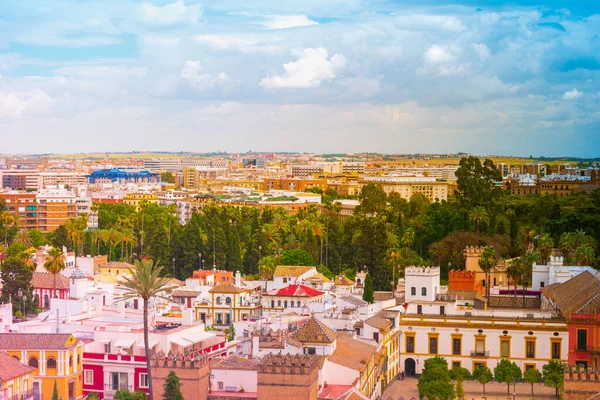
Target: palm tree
<point x="527" y="236"/>
<point x="585" y="254"/>
<point x="22" y="237"/>
<point x="6" y="219"/>
<point x="393" y="255"/>
<point x="567" y="244"/>
<point x="408" y="239"/>
<point x="145" y="282"/>
<point x="545" y="245"/>
<point x="488" y="261"/>
<point x="127" y="238"/>
<point x="478" y="215"/>
<point x="513" y="273"/>
<point x="114" y="238"/>
<point x="55" y="263"/>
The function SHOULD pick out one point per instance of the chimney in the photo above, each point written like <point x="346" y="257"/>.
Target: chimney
<point x="238" y="279"/>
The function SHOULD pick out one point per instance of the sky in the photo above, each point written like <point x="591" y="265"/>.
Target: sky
<point x="417" y="76"/>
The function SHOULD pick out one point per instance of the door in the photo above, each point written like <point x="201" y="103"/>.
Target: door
<point x="419" y="309"/>
<point x="442" y="310"/>
<point x="410" y="366"/>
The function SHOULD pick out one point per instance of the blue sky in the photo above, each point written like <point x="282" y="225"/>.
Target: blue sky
<point x="517" y="78"/>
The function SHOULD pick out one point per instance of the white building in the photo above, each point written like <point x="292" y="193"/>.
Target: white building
<point x="555" y="272"/>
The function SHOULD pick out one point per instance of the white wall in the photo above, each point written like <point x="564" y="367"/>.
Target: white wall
<point x="234" y="380"/>
<point x="335" y="374"/>
<point x="419" y="278"/>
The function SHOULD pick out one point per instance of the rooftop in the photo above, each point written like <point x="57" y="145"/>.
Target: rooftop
<point x="286" y="270"/>
<point x="11" y="368"/>
<point x="352" y="353"/>
<point x="295" y="291"/>
<point x="37" y="341"/>
<point x="314" y="331"/>
<point x="235" y="363"/>
<point x="46" y="280"/>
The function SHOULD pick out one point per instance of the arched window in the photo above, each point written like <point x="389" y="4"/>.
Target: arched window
<point x="33" y="362"/>
<point x="227" y="300"/>
<point x="272" y="303"/>
<point x="51" y="363"/>
<point x="16" y="358"/>
<point x="413" y="291"/>
<point x="298" y="303"/>
<point x="278" y="303"/>
<point x="423" y="291"/>
<point x="70" y="362"/>
<point x="285" y="304"/>
<point x="218" y="299"/>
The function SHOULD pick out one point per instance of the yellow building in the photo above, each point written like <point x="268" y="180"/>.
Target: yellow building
<point x="55" y="357"/>
<point x="16" y="378"/>
<point x="406" y="187"/>
<point x="114" y="271"/>
<point x="135" y="199"/>
<point x="228" y="304"/>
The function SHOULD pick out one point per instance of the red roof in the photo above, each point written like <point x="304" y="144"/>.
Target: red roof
<point x="295" y="290"/>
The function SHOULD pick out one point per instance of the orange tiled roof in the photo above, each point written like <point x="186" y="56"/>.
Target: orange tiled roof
<point x="37" y="341"/>
<point x="237" y="363"/>
<point x="352" y="353"/>
<point x="226" y="288"/>
<point x="314" y="331"/>
<point x="118" y="265"/>
<point x="290" y="270"/>
<point x="342" y="280"/>
<point x="11" y="368"/>
<point x="580" y="294"/>
<point x="46" y="280"/>
<point x="378" y="321"/>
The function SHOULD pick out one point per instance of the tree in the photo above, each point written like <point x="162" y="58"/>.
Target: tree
<point x="167" y="177"/>
<point x="92" y="396"/>
<point x="585" y="254"/>
<point x="55" y="391"/>
<point x="459" y="374"/>
<point x="513" y="273"/>
<point x="145" y="283"/>
<point x="483" y="375"/>
<point x="488" y="261"/>
<point x="373" y="200"/>
<point x="532" y="375"/>
<point x="479" y="215"/>
<point x="368" y="294"/>
<point x="16" y="277"/>
<point x="172" y="387"/>
<point x="554" y="376"/>
<point x="476" y="182"/>
<point x="55" y="263"/>
<point x="296" y="257"/>
<point x="545" y="244"/>
<point x="507" y="372"/>
<point x="435" y="381"/>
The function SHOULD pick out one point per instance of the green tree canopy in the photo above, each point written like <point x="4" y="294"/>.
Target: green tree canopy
<point x="296" y="257"/>
<point x="435" y="381"/>
<point x="507" y="372"/>
<point x="554" y="377"/>
<point x="532" y="376"/>
<point x="368" y="293"/>
<point x="172" y="387"/>
<point x="483" y="375"/>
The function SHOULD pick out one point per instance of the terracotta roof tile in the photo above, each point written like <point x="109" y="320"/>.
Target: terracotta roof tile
<point x="11" y="368"/>
<point x="579" y="294"/>
<point x="118" y="265"/>
<point x="379" y="322"/>
<point x="185" y="293"/>
<point x="226" y="288"/>
<point x="46" y="280"/>
<point x="37" y="341"/>
<point x="314" y="331"/>
<point x="355" y="301"/>
<point x="236" y="363"/>
<point x="288" y="270"/>
<point x="352" y="353"/>
<point x="342" y="280"/>
<point x="380" y="296"/>
<point x="319" y="277"/>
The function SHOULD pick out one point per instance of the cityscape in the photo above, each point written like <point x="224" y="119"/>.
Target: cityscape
<point x="320" y="200"/>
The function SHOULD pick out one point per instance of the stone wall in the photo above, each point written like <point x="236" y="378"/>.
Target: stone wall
<point x="581" y="386"/>
<point x="288" y="377"/>
<point x="509" y="302"/>
<point x="193" y="375"/>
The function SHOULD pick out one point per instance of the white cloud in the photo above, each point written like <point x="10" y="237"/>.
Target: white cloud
<point x="169" y="14"/>
<point x="19" y="104"/>
<point x="102" y="72"/>
<point x="241" y="43"/>
<point x="191" y="73"/>
<point x="572" y="94"/>
<point x="287" y="21"/>
<point x="481" y="50"/>
<point x="312" y="67"/>
<point x="437" y="55"/>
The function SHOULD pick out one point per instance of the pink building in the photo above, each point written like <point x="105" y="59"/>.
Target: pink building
<point x="46" y="286"/>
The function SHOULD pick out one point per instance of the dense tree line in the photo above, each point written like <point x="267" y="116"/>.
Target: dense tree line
<point x="385" y="234"/>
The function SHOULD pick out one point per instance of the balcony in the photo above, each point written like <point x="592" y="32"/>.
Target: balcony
<point x="588" y="349"/>
<point x="476" y="353"/>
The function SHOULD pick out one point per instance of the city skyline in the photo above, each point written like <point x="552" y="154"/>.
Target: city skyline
<point x="377" y="76"/>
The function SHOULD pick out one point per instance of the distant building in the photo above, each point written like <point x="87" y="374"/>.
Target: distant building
<point x="406" y="187"/>
<point x="123" y="176"/>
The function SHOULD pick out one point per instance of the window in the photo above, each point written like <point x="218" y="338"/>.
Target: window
<point x="51" y="363"/>
<point x="504" y="348"/>
<point x="530" y="348"/>
<point x="442" y="310"/>
<point x="119" y="380"/>
<point x="144" y="380"/>
<point x="88" y="377"/>
<point x="376" y="336"/>
<point x="410" y="344"/>
<point x="413" y="291"/>
<point x="423" y="291"/>
<point x="480" y="347"/>
<point x="581" y="339"/>
<point x="419" y="309"/>
<point x="529" y="366"/>
<point x="284" y="279"/>
<point x="455" y="364"/>
<point x="285" y="304"/>
<point x="33" y="362"/>
<point x="227" y="300"/>
<point x="433" y="345"/>
<point x="311" y="350"/>
<point x="107" y="348"/>
<point x="70" y="362"/>
<point x="556" y="350"/>
<point x="278" y="303"/>
<point x="219" y="318"/>
<point x="542" y="284"/>
<point x="456" y="345"/>
<point x="220" y="385"/>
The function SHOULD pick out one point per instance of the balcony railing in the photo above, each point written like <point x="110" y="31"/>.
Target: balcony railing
<point x="475" y="353"/>
<point x="588" y="349"/>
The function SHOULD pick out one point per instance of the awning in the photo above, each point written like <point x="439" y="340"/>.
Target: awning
<point x="105" y="340"/>
<point x="125" y="343"/>
<point x="181" y="342"/>
<point x="193" y="340"/>
<point x="151" y="343"/>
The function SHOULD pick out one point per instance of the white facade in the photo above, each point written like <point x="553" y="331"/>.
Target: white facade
<point x="422" y="283"/>
<point x="225" y="380"/>
<point x="555" y="272"/>
<point x="281" y="281"/>
<point x="529" y="342"/>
